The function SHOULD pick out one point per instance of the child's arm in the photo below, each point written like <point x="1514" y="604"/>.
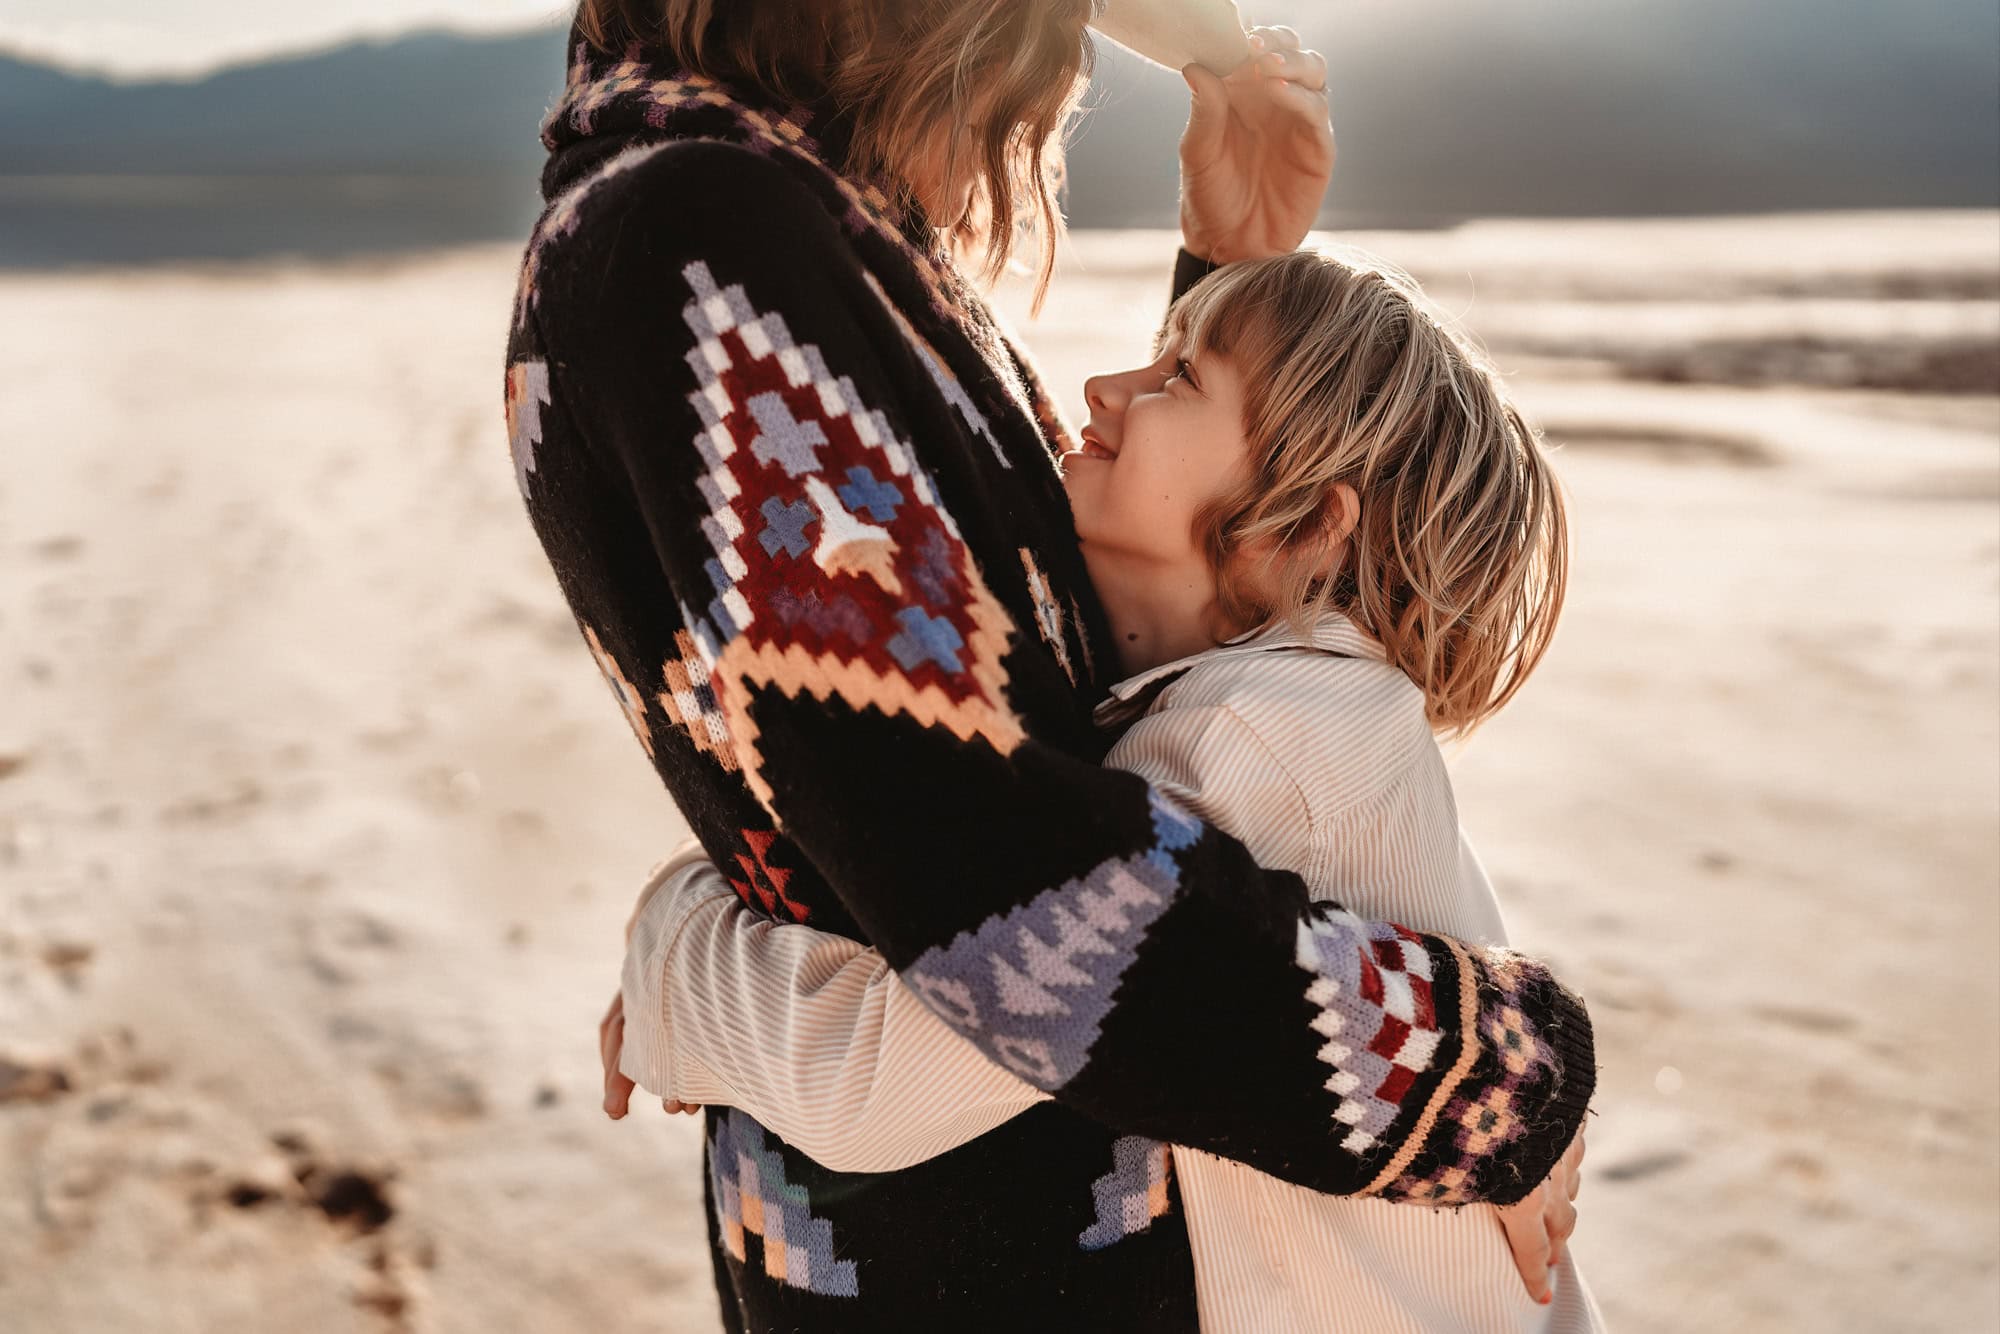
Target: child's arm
<point x="808" y="1032"/>
<point x="812" y="1033"/>
<point x="1176" y="33"/>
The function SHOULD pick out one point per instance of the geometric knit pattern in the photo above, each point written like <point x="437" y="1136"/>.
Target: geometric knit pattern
<point x="689" y="701"/>
<point x="1132" y="1194"/>
<point x="527" y="394"/>
<point x="869" y="208"/>
<point x="763" y="887"/>
<point x="1372" y="982"/>
<point x="630" y="701"/>
<point x="1048" y="613"/>
<point x="816" y="507"/>
<point x="1495" y="1115"/>
<point x="947" y="383"/>
<point x="561" y="218"/>
<point x="1031" y="987"/>
<point x="752" y="1195"/>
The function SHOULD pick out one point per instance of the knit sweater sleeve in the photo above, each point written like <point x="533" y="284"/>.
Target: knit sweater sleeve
<point x="808" y="1031"/>
<point x="711" y="342"/>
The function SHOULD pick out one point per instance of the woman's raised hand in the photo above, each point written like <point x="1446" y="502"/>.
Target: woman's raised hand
<point x="1258" y="152"/>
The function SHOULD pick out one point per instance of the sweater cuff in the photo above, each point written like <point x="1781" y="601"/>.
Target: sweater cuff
<point x="673" y="898"/>
<point x="1189" y="269"/>
<point x="1567" y="1030"/>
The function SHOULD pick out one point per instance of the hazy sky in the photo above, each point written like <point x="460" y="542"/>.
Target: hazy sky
<point x="140" y="37"/>
<point x="163" y="36"/>
<point x="134" y="37"/>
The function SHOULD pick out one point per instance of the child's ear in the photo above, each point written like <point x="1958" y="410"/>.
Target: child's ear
<point x="1343" y="512"/>
<point x="1340" y="515"/>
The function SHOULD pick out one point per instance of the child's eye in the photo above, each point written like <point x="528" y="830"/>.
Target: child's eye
<point x="1181" y="369"/>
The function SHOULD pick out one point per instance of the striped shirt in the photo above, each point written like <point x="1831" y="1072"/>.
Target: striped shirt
<point x="1316" y="753"/>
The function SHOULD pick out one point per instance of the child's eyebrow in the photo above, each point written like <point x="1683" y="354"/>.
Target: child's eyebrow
<point x="1173" y="331"/>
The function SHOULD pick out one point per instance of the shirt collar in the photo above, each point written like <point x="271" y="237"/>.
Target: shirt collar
<point x="1332" y="633"/>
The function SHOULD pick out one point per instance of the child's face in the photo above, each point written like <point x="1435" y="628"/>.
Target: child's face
<point x="1163" y="441"/>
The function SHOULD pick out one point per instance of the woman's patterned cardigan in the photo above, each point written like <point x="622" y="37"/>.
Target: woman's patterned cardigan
<point x="803" y="495"/>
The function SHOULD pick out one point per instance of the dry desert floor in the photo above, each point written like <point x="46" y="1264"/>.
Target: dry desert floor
<point x="317" y="827"/>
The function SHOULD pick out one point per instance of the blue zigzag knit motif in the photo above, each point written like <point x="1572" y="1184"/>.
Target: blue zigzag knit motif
<point x="753" y="1194"/>
<point x="1131" y="1195"/>
<point x="1032" y="986"/>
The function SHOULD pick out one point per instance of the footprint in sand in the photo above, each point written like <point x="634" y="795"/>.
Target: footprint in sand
<point x="125" y="1166"/>
<point x="1805" y="1020"/>
<point x="26" y="1077"/>
<point x="1641" y="1166"/>
<point x="342" y="947"/>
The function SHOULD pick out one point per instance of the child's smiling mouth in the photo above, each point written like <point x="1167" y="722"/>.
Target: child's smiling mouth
<point x="1094" y="448"/>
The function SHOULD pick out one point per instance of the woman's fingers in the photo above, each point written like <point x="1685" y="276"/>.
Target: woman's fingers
<point x="1277" y="53"/>
<point x="1529" y="1238"/>
<point x="1539" y="1228"/>
<point x="1561" y="1216"/>
<point x="1305" y="68"/>
<point x="1572" y="1165"/>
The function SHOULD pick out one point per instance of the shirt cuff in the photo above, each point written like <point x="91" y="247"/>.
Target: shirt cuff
<point x="680" y="890"/>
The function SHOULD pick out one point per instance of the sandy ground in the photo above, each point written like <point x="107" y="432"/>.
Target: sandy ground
<point x="317" y="828"/>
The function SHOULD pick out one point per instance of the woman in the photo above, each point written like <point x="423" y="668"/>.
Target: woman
<point x="801" y="491"/>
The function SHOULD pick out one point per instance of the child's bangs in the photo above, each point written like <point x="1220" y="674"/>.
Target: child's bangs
<point x="1219" y="315"/>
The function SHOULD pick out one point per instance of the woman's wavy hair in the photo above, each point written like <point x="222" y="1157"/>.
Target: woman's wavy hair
<point x="905" y="71"/>
<point x="1459" y="559"/>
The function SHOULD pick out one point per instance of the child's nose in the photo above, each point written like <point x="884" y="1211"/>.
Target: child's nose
<point x="1103" y="393"/>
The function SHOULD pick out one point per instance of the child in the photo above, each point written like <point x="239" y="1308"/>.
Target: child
<point x="1323" y="537"/>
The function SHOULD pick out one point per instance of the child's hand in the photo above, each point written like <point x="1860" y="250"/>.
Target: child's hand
<point x="610" y="1041"/>
<point x="1257" y="155"/>
<point x="1539" y="1227"/>
<point x="617" y="1088"/>
<point x="611" y="1028"/>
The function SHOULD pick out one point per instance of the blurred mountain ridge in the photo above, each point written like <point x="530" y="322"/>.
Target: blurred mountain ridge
<point x="1445" y="111"/>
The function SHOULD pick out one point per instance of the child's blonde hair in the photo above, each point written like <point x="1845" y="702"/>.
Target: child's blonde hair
<point x="1459" y="559"/>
